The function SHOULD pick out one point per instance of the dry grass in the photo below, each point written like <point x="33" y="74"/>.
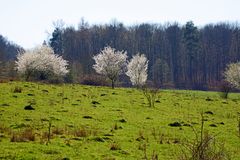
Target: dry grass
<point x="81" y="132"/>
<point x="58" y="131"/>
<point x="23" y="136"/>
<point x="17" y="89"/>
<point x="114" y="146"/>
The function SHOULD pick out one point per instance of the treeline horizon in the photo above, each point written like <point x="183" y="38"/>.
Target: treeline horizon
<point x="180" y="56"/>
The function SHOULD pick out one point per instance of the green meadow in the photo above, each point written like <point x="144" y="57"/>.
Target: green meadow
<point x="70" y="121"/>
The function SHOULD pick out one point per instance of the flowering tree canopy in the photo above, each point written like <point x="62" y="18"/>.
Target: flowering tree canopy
<point x="41" y="60"/>
<point x="232" y="74"/>
<point x="137" y="70"/>
<point x="110" y="63"/>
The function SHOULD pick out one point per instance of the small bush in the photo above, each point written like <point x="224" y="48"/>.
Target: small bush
<point x="224" y="88"/>
<point x="204" y="147"/>
<point x="150" y="94"/>
<point x="94" y="80"/>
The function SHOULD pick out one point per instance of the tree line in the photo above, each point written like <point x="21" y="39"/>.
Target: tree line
<point x="184" y="56"/>
<point x="180" y="56"/>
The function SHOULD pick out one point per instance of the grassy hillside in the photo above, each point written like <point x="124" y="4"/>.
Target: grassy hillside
<point x="100" y="123"/>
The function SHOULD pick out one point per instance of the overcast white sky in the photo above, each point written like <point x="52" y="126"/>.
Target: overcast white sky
<point x="26" y="22"/>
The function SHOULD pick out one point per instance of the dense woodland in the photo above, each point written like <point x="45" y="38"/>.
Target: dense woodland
<point x="8" y="52"/>
<point x="180" y="56"/>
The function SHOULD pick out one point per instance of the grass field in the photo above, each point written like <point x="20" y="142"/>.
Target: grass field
<point x="88" y="122"/>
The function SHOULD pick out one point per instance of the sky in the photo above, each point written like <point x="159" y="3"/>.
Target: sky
<point x="29" y="22"/>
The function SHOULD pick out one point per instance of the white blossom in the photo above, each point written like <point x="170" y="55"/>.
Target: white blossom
<point x="137" y="69"/>
<point x="232" y="74"/>
<point x="41" y="59"/>
<point x="110" y="63"/>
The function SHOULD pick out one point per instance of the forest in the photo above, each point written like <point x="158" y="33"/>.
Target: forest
<point x="180" y="56"/>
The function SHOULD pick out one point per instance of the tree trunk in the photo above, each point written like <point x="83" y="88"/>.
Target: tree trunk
<point x="27" y="77"/>
<point x="113" y="84"/>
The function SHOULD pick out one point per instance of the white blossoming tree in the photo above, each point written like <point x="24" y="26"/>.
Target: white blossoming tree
<point x="110" y="63"/>
<point x="232" y="74"/>
<point x="137" y="70"/>
<point x="41" y="61"/>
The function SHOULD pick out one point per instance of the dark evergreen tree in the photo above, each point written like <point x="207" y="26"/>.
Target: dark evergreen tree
<point x="191" y="46"/>
<point x="56" y="41"/>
